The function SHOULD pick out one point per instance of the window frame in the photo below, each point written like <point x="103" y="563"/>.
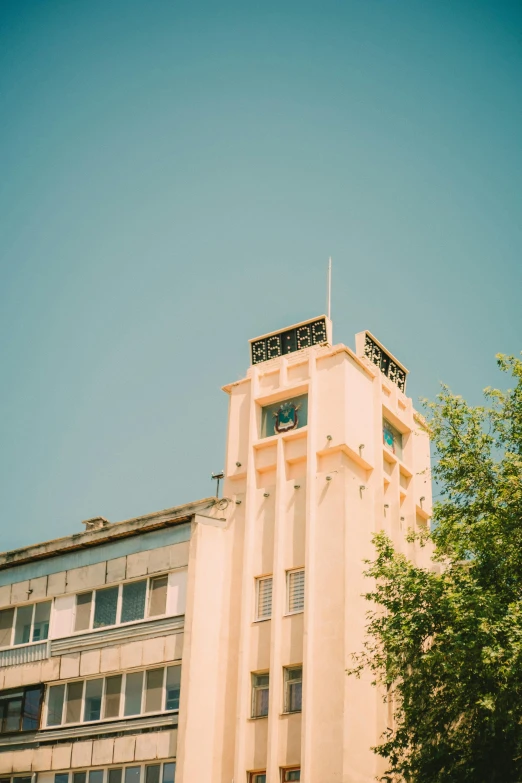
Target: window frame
<point x="14" y="777"/>
<point x="23" y="689"/>
<point x="148" y="579"/>
<point x="123" y="766"/>
<point x="258" y="579"/>
<point x="44" y="715"/>
<point x="255" y="688"/>
<point x="285" y="770"/>
<point x="15" y="609"/>
<point x="289" y="573"/>
<point x="287" y="682"/>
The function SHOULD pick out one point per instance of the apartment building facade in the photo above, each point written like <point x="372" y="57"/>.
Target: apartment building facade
<point x="210" y="642"/>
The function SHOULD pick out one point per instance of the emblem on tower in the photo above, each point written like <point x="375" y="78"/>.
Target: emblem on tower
<point x="286" y="417"/>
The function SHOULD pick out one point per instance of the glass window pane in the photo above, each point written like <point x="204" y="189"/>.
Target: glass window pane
<point x="152" y="773"/>
<point x="133" y="689"/>
<point x="42" y="613"/>
<point x="132" y="775"/>
<point x="106" y="602"/>
<point x="23" y="779"/>
<point x="61" y="777"/>
<point x="260" y="684"/>
<point x="133" y="601"/>
<point x="154" y="690"/>
<point x="24" y="617"/>
<point x="172" y="688"/>
<point x="169" y="772"/>
<point x="12" y="714"/>
<point x="259" y="778"/>
<point x="31" y="712"/>
<point x="6" y="627"/>
<point x="112" y="696"/>
<point x="96" y="776"/>
<point x="83" y="612"/>
<point x="115" y="775"/>
<point x="295" y="697"/>
<point x="73" y="708"/>
<point x="93" y="699"/>
<point x="79" y="777"/>
<point x="158" y="596"/>
<point x="293" y="774"/>
<point x="55" y="705"/>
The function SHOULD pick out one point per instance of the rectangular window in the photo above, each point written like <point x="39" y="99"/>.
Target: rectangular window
<point x="31" y="709"/>
<point x="263" y="598"/>
<point x="154" y="690"/>
<point x="133" y="601"/>
<point x="260" y="684"/>
<point x="112" y="697"/>
<point x="31" y="623"/>
<point x="132" y="774"/>
<point x="295" y="583"/>
<point x="169" y="772"/>
<point x="293" y="681"/>
<point x="158" y="596"/>
<point x="120" y="695"/>
<point x="172" y="688"/>
<point x="83" y="612"/>
<point x="105" y="607"/>
<point x="152" y="773"/>
<point x="288" y="775"/>
<point x="93" y="699"/>
<point x="20" y="709"/>
<point x="125" y="603"/>
<point x="55" y="705"/>
<point x="133" y="692"/>
<point x="24" y="620"/>
<point x="257" y="777"/>
<point x="6" y="627"/>
<point x="73" y="704"/>
<point x="42" y="615"/>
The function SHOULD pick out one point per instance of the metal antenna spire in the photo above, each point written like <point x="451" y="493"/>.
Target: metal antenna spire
<point x="329" y="290"/>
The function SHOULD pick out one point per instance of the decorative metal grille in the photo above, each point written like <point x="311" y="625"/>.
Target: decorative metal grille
<point x="386" y="365"/>
<point x="289" y="340"/>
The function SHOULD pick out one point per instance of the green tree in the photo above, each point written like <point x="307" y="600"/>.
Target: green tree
<point x="445" y="644"/>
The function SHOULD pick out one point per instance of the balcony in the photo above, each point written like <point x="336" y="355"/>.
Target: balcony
<point x="26" y="653"/>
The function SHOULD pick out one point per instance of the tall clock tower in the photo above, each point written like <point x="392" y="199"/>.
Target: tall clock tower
<point x="324" y="449"/>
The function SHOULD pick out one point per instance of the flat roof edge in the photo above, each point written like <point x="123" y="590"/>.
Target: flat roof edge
<point x="84" y="539"/>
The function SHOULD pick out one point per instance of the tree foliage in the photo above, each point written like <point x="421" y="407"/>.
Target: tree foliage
<point x="446" y="643"/>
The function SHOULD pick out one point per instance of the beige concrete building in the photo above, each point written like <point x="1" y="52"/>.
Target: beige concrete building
<point x="209" y="643"/>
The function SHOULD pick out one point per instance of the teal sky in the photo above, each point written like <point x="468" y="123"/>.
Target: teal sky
<point x="173" y="178"/>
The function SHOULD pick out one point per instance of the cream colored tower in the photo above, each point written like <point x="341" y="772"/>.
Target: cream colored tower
<point x="309" y="498"/>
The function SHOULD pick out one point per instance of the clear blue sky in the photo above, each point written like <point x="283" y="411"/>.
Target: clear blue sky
<point x="173" y="178"/>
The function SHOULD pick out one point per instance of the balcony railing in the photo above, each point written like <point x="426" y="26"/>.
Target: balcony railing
<point x="27" y="653"/>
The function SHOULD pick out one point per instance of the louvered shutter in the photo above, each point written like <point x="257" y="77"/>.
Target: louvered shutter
<point x="296" y="590"/>
<point x="264" y="597"/>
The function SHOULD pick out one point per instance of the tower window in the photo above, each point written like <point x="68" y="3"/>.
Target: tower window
<point x="263" y="598"/>
<point x="295" y="584"/>
<point x="260" y="684"/>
